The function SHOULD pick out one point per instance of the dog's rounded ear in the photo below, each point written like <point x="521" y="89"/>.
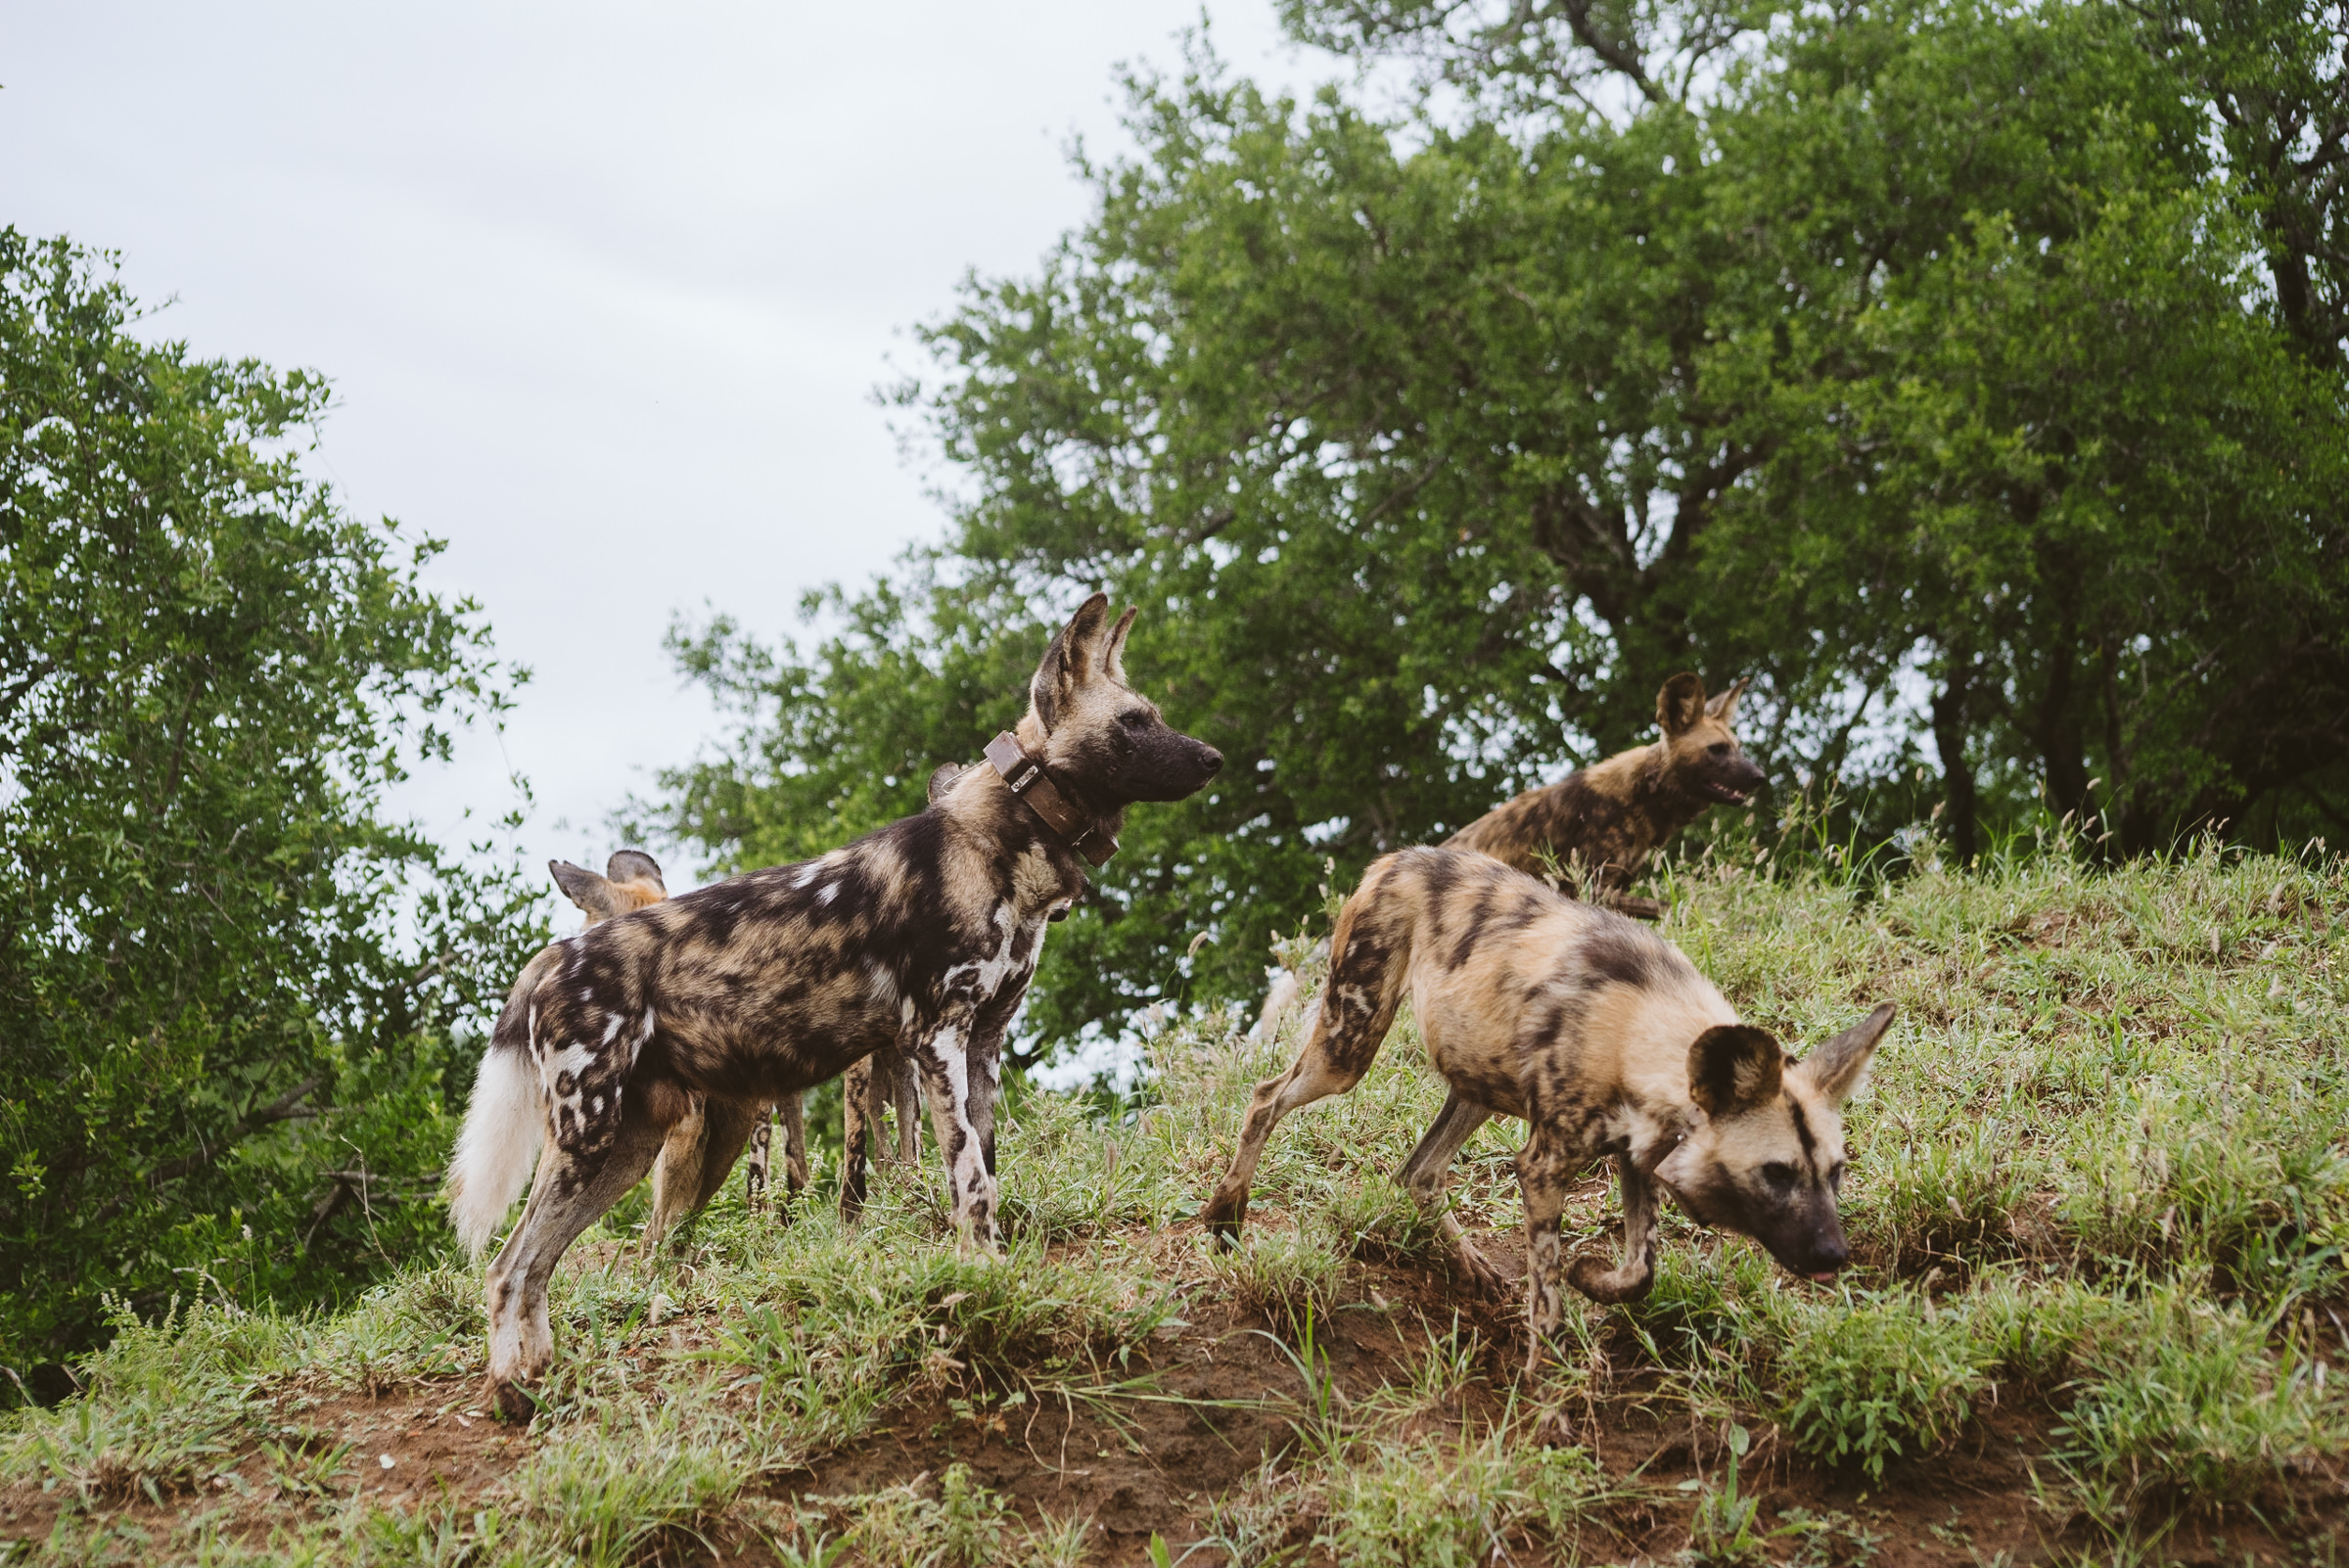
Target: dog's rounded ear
<point x="634" y="865"/>
<point x="1725" y="706"/>
<point x="1074" y="659"/>
<point x="1112" y="659"/>
<point x="1837" y="1068"/>
<point x="1734" y="1068"/>
<point x="585" y="889"/>
<point x="943" y="778"/>
<point x="1680" y="704"/>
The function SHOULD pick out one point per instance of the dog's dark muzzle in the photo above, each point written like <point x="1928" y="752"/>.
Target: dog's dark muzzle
<point x="1737" y="786"/>
<point x="1821" y="1261"/>
<point x="1169" y="772"/>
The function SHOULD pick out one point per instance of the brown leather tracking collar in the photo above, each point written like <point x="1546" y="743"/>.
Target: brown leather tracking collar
<point x="1025" y="778"/>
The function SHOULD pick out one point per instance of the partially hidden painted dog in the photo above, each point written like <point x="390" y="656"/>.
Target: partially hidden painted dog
<point x="1603" y="822"/>
<point x="924" y="933"/>
<point x="1605" y="1040"/>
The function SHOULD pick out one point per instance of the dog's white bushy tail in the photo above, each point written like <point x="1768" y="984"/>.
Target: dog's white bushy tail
<point x="503" y="1128"/>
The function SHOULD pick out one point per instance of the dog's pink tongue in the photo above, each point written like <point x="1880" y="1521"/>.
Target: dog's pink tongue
<point x="1826" y="1278"/>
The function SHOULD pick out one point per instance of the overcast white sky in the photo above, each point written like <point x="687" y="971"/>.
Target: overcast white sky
<point x="604" y="288"/>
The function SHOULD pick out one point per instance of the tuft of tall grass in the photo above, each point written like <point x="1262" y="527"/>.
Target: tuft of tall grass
<point x="1290" y="1275"/>
<point x="965" y="1526"/>
<point x="1437" y="1503"/>
<point x="599" y="1496"/>
<point x="2200" y="1402"/>
<point x="164" y="1404"/>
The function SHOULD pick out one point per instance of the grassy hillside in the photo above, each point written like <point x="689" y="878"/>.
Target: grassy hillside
<point x="2100" y="1194"/>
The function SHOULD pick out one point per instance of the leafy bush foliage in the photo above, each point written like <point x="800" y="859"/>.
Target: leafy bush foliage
<point x="230" y="1069"/>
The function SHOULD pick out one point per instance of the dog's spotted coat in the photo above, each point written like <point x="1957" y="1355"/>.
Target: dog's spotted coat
<point x="1604" y="1038"/>
<point x="923" y="935"/>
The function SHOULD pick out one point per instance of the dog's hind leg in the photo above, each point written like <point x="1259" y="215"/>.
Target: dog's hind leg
<point x="577" y="1185"/>
<point x="894" y="1068"/>
<point x="754" y="1164"/>
<point x="1370" y="963"/>
<point x="793" y="1117"/>
<point x="678" y="1174"/>
<point x="1425" y="1174"/>
<point x="758" y="1167"/>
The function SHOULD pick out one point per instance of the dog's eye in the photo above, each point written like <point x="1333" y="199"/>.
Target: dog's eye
<point x="1836" y="1177"/>
<point x="1135" y="718"/>
<point x="1719" y="749"/>
<point x="1779" y="1173"/>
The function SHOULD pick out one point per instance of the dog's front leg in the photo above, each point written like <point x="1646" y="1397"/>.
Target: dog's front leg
<point x="942" y="1056"/>
<point x="1630" y="1280"/>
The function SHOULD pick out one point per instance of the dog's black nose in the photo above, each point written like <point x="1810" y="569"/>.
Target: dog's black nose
<point x="1211" y="761"/>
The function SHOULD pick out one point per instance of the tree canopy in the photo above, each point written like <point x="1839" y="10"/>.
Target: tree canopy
<point x="232" y="990"/>
<point x="1971" y="375"/>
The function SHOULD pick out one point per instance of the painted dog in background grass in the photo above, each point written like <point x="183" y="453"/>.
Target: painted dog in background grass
<point x="1602" y="822"/>
<point x="1605" y="1040"/>
<point x="924" y="932"/>
<point x="1591" y="833"/>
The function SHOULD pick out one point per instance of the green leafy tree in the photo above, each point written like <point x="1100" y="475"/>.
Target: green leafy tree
<point x="232" y="992"/>
<point x="1928" y="361"/>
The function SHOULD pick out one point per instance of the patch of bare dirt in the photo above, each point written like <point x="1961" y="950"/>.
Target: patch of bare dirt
<point x="1208" y="1411"/>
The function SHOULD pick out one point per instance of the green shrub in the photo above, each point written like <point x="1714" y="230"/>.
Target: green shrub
<point x="1882" y="1376"/>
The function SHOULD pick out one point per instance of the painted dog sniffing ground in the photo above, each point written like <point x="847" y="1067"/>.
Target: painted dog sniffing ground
<point x="925" y="933"/>
<point x="1602" y="822"/>
<point x="1605" y="1040"/>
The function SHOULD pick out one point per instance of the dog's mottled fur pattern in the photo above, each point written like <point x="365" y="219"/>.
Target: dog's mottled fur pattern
<point x="924" y="932"/>
<point x="1604" y="1039"/>
<point x="1603" y="822"/>
<point x="485" y="1174"/>
<point x="883" y="1082"/>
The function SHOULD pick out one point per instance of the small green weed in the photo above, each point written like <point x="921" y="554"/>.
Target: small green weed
<point x="965" y="1526"/>
<point x="1883" y="1377"/>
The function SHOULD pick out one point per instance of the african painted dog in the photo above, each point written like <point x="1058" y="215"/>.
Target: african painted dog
<point x="1605" y="1040"/>
<point x="1605" y="821"/>
<point x="924" y="932"/>
<point x="631" y="881"/>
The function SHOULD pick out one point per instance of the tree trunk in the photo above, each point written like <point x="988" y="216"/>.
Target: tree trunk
<point x="1957" y="773"/>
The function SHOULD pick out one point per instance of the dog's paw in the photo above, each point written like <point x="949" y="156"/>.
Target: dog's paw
<point x="511" y="1401"/>
<point x="1610" y="1287"/>
<point x="1222" y="1220"/>
<point x="1480" y="1276"/>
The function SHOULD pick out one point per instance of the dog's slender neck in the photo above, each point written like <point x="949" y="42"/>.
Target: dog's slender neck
<point x="1061" y="808"/>
<point x="1672" y="807"/>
